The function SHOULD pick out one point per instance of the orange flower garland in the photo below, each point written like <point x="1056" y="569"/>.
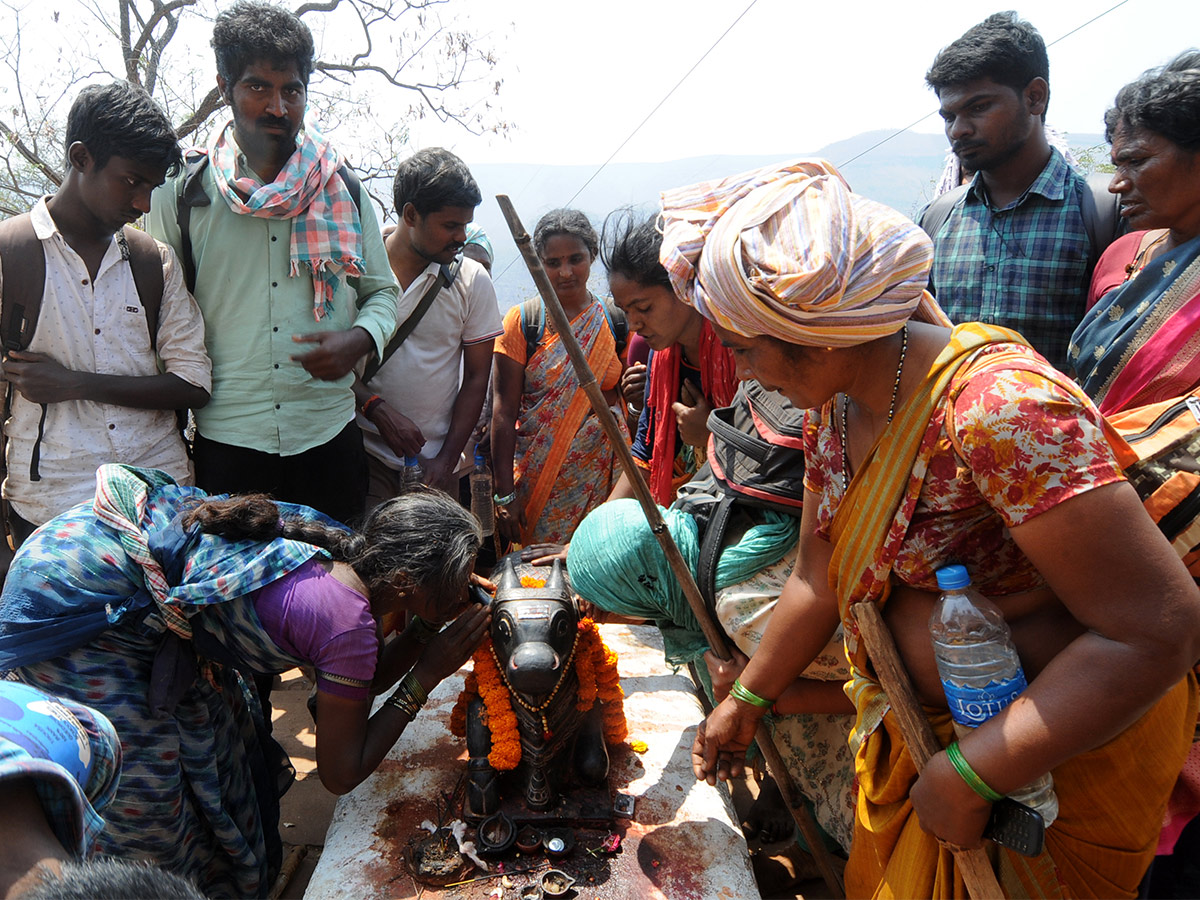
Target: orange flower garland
<point x="485" y="682"/>
<point x="596" y="668"/>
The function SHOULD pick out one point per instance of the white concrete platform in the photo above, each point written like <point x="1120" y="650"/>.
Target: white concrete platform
<point x="683" y="842"/>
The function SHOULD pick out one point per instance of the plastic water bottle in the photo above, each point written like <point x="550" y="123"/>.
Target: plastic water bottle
<point x="979" y="668"/>
<point x="481" y="493"/>
<point x="412" y="475"/>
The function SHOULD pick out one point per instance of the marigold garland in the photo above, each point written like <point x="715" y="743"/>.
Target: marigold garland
<point x="498" y="712"/>
<point x="596" y="669"/>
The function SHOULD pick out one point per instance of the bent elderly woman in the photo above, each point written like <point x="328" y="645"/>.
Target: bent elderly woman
<point x="156" y="604"/>
<point x="1137" y="344"/>
<point x="927" y="445"/>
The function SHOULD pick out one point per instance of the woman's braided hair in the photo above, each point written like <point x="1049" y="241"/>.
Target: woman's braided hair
<point x="424" y="534"/>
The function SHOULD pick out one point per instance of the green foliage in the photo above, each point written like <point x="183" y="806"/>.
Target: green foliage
<point x="1093" y="159"/>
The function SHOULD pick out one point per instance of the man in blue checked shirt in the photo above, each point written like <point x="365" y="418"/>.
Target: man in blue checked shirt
<point x="1015" y="248"/>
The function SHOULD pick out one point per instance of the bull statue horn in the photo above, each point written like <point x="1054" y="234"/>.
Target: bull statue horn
<point x="508" y="579"/>
<point x="555" y="584"/>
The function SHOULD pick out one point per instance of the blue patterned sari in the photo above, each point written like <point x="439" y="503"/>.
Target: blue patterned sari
<point x="1140" y="344"/>
<point x="79" y="617"/>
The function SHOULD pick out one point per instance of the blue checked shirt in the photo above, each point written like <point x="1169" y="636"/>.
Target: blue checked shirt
<point x="1025" y="266"/>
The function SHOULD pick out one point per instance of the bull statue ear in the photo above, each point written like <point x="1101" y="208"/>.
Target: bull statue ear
<point x="556" y="585"/>
<point x="508" y="579"/>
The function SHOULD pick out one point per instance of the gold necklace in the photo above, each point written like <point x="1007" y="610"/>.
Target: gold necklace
<point x="891" y="410"/>
<point x="539" y="710"/>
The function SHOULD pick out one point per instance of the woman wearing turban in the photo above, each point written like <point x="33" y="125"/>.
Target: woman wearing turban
<point x="927" y="446"/>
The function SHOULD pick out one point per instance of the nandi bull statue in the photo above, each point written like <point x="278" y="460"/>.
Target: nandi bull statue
<point x="531" y="725"/>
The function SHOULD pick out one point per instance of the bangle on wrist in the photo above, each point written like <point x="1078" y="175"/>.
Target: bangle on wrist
<point x="369" y="404"/>
<point x="412" y="684"/>
<point x="740" y="692"/>
<point x="505" y="500"/>
<point x="409" y="696"/>
<point x="974" y="782"/>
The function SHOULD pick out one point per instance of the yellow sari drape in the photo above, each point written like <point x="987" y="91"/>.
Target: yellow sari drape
<point x="1110" y="810"/>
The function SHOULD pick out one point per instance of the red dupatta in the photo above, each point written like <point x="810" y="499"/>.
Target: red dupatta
<point x="718" y="383"/>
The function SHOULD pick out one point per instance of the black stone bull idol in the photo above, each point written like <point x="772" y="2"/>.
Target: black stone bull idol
<point x="534" y="632"/>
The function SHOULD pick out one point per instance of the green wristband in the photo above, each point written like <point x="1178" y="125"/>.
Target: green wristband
<point x="740" y="692"/>
<point x="974" y="782"/>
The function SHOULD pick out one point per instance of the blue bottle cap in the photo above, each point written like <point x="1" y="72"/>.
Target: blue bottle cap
<point x="951" y="577"/>
<point x="478" y="454"/>
<point x="411" y="460"/>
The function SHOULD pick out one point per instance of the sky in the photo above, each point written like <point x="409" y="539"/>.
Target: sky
<point x="790" y="76"/>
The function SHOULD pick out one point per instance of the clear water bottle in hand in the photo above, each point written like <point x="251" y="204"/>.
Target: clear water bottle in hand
<point x="412" y="475"/>
<point x="979" y="668"/>
<point x="481" y="493"/>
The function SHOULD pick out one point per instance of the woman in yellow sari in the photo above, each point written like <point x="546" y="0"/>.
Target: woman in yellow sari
<point x="553" y="462"/>
<point x="927" y="446"/>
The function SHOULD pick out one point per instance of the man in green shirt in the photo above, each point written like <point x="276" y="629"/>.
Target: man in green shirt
<point x="291" y="277"/>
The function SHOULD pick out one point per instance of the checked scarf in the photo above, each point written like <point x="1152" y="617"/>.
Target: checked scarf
<point x="327" y="231"/>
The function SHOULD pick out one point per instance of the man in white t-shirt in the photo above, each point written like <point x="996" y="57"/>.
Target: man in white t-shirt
<point x="425" y="399"/>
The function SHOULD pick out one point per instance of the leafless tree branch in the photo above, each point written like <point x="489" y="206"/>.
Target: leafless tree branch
<point x="401" y="45"/>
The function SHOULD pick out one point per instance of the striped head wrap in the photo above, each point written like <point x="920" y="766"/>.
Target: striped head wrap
<point x="789" y="251"/>
<point x="476" y="235"/>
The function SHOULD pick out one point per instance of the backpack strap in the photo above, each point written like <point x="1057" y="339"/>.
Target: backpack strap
<point x="353" y="185"/>
<point x="1101" y="210"/>
<point x="533" y="325"/>
<point x="711" y="546"/>
<point x="939" y="209"/>
<point x="145" y="263"/>
<point x="23" y="262"/>
<point x="191" y="193"/>
<point x="23" y="267"/>
<point x="445" y="278"/>
<point x="618" y="325"/>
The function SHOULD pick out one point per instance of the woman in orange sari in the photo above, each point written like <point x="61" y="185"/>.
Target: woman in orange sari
<point x="926" y="446"/>
<point x="553" y="462"/>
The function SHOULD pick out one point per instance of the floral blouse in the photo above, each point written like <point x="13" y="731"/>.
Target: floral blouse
<point x="1014" y="441"/>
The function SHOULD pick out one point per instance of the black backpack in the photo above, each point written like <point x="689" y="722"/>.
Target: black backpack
<point x="755" y="460"/>
<point x="533" y="325"/>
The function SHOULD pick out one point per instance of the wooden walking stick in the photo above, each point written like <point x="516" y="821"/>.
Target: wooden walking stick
<point x="712" y="632"/>
<point x="975" y="866"/>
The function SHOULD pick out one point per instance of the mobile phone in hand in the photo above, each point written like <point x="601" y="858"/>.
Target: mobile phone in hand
<point x="1016" y="826"/>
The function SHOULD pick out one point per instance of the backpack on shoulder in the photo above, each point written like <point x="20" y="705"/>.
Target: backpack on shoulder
<point x="533" y="325"/>
<point x="1101" y="214"/>
<point x="23" y="264"/>
<point x="1159" y="448"/>
<point x="755" y="460"/>
<point x="23" y="267"/>
<point x="192" y="195"/>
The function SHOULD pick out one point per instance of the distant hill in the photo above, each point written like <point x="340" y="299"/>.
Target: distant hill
<point x="900" y="173"/>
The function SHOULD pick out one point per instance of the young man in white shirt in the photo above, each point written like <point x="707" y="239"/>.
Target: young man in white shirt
<point x="425" y="399"/>
<point x="93" y="386"/>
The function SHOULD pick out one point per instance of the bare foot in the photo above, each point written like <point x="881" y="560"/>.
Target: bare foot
<point x="768" y="818"/>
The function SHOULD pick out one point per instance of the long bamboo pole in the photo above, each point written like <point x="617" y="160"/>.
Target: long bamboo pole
<point x="923" y="744"/>
<point x="712" y="632"/>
